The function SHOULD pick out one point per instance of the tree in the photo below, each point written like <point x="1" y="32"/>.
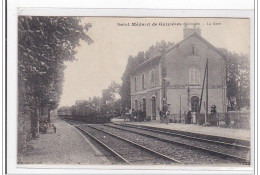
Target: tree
<point x="109" y="97"/>
<point x="158" y="49"/>
<point x="109" y="94"/>
<point x="125" y="88"/>
<point x="44" y="44"/>
<point x="238" y="82"/>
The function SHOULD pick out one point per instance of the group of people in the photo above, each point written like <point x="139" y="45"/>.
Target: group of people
<point x="45" y="125"/>
<point x="166" y="112"/>
<point x="138" y="115"/>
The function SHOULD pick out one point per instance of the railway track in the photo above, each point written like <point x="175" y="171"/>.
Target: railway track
<point x="208" y="138"/>
<point x="126" y="151"/>
<point x="239" y="153"/>
<point x="72" y="122"/>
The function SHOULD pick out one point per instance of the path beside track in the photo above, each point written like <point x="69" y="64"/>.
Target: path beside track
<point x="66" y="146"/>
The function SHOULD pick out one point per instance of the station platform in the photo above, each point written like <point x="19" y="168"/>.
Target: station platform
<point x="232" y="133"/>
<point x="66" y="146"/>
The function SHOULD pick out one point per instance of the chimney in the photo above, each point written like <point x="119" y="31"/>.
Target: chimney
<point x="189" y="31"/>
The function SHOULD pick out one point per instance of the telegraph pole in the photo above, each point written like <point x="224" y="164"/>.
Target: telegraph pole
<point x="180" y="104"/>
<point x="188" y="90"/>
<point x="207" y="90"/>
<point x="180" y="108"/>
<point x="202" y="89"/>
<point x="201" y="97"/>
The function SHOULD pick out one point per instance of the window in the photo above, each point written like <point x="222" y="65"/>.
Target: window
<point x="194" y="76"/>
<point x="143" y="81"/>
<point x="152" y="78"/>
<point x="193" y="49"/>
<point x="135" y="85"/>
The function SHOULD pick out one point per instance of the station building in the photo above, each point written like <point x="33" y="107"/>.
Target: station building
<point x="177" y="77"/>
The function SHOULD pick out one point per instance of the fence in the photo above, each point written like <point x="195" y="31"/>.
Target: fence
<point x="235" y="119"/>
<point x="177" y="118"/>
<point x="232" y="119"/>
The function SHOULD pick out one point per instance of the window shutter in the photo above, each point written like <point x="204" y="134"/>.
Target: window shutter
<point x="194" y="76"/>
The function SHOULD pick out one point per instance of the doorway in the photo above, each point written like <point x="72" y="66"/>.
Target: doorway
<point x="144" y="105"/>
<point x="153" y="108"/>
<point x="195" y="104"/>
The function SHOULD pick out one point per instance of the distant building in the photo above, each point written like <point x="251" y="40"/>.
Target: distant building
<point x="179" y="74"/>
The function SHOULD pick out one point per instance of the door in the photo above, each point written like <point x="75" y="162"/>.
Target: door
<point x="153" y="108"/>
<point x="195" y="104"/>
<point x="144" y="105"/>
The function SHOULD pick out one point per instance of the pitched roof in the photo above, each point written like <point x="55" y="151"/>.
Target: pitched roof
<point x="150" y="61"/>
<point x="158" y="58"/>
<point x="200" y="38"/>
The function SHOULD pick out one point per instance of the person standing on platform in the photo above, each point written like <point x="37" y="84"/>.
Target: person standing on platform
<point x="188" y="117"/>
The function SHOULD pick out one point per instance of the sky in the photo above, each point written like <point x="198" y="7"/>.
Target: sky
<point x="115" y="39"/>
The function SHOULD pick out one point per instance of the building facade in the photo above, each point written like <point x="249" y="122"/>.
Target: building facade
<point x="177" y="78"/>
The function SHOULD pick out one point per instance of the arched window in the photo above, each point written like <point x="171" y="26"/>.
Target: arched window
<point x="152" y="78"/>
<point x="143" y="81"/>
<point x="153" y="107"/>
<point x="194" y="104"/>
<point x="144" y="105"/>
<point x="194" y="76"/>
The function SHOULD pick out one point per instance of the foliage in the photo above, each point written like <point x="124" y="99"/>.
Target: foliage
<point x="44" y="44"/>
<point x="116" y="106"/>
<point x="158" y="49"/>
<point x="109" y="97"/>
<point x="133" y="62"/>
<point x="238" y="80"/>
<point x="96" y="101"/>
<point x="109" y="94"/>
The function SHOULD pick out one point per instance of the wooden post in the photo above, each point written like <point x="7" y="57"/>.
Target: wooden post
<point x="207" y="89"/>
<point x="180" y="104"/>
<point x="188" y="97"/>
<point x="38" y="121"/>
<point x="205" y="114"/>
<point x="180" y="108"/>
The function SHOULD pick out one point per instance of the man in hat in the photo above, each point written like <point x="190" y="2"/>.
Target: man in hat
<point x="213" y="113"/>
<point x="188" y="117"/>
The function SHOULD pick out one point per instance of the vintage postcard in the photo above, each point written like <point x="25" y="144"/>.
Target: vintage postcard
<point x="154" y="92"/>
